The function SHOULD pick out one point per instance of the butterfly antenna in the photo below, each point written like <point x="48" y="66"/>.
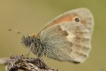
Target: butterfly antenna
<point x="18" y="32"/>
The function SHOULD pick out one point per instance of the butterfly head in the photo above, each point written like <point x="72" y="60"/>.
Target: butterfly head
<point x="29" y="39"/>
<point x="33" y="43"/>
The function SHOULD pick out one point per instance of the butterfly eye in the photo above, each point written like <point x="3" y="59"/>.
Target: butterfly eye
<point x="77" y="19"/>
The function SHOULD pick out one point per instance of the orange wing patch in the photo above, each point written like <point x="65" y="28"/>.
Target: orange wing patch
<point x="65" y="18"/>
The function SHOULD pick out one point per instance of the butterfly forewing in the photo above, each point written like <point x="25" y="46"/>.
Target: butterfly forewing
<point x="84" y="14"/>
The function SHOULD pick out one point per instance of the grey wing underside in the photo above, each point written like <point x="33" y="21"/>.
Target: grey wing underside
<point x="57" y="46"/>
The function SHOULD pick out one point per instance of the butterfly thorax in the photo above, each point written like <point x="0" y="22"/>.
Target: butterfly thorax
<point x="34" y="44"/>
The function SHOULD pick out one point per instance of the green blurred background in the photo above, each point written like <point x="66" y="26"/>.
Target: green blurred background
<point x="30" y="16"/>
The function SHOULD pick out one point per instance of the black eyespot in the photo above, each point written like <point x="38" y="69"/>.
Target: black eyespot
<point x="77" y="20"/>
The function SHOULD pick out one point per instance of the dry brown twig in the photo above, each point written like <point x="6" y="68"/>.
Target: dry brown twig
<point x="21" y="63"/>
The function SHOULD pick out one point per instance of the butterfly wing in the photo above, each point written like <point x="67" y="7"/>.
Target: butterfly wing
<point x="68" y="37"/>
<point x="84" y="14"/>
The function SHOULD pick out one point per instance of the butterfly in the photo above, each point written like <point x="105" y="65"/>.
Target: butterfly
<point x="65" y="38"/>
